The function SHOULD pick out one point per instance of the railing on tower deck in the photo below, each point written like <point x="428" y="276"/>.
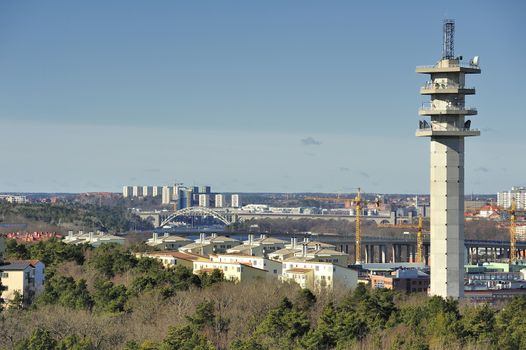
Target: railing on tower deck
<point x="448" y="129"/>
<point x="435" y="127"/>
<point x="433" y="85"/>
<point x="428" y="106"/>
<point x="462" y="64"/>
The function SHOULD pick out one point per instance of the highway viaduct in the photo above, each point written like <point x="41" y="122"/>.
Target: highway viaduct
<point x="403" y="249"/>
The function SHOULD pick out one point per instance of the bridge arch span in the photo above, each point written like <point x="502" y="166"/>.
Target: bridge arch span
<point x="195" y="211"/>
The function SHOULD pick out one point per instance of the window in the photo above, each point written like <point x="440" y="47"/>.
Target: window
<point x="275" y="271"/>
<point x="317" y="268"/>
<point x="5" y="275"/>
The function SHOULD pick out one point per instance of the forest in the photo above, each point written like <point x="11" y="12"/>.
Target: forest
<point x="73" y="215"/>
<point x="106" y="298"/>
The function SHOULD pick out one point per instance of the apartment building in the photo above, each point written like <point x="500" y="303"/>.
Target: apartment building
<point x="273" y="268"/>
<point x="92" y="239"/>
<point x="405" y="280"/>
<point x="168" y="242"/>
<point x="318" y="276"/>
<point x="172" y="258"/>
<point x="235" y="201"/>
<point x="25" y="277"/>
<point x="235" y="271"/>
<point x="209" y="245"/>
<point x="220" y="201"/>
<point x="261" y="246"/>
<point x="516" y="193"/>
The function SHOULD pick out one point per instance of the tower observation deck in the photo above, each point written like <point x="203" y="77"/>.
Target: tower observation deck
<point x="447" y="126"/>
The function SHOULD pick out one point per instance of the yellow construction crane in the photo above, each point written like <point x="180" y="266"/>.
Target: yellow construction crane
<point x="420" y="241"/>
<point x="419" y="236"/>
<point x="513" y="232"/>
<point x="357" y="201"/>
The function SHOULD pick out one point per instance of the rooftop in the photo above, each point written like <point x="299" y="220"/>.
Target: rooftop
<point x="15" y="266"/>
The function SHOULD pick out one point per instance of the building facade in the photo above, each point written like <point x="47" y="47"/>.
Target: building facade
<point x="204" y="200"/>
<point x="166" y="196"/>
<point x="516" y="193"/>
<point x="22" y="277"/>
<point x="219" y="200"/>
<point x="236" y="201"/>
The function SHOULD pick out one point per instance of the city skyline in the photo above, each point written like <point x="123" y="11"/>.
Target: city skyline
<point x="274" y="97"/>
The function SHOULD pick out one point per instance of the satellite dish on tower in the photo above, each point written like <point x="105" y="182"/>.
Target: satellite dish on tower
<point x="475" y="61"/>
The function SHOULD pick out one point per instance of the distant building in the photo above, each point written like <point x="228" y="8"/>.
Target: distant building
<point x="188" y="198"/>
<point x="219" y="200"/>
<point x="262" y="246"/>
<point x="166" y="197"/>
<point x="127" y="191"/>
<point x="147" y="191"/>
<point x="236" y="201"/>
<point x="205" y="189"/>
<point x="156" y="191"/>
<point x="92" y="239"/>
<point x="173" y="258"/>
<point x="14" y="199"/>
<point x="137" y="191"/>
<point x="405" y="280"/>
<point x="204" y="200"/>
<point x="518" y="193"/>
<point x="310" y="250"/>
<point x="490" y="280"/>
<point x="208" y="245"/>
<point x="168" y="242"/>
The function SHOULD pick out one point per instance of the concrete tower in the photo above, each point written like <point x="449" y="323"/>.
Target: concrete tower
<point x="447" y="126"/>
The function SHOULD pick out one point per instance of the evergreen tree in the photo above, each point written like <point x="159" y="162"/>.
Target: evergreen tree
<point x="185" y="337"/>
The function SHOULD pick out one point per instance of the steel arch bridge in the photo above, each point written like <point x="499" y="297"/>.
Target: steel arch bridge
<point x="196" y="211"/>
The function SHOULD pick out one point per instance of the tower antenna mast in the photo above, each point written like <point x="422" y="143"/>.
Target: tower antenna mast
<point x="448" y="42"/>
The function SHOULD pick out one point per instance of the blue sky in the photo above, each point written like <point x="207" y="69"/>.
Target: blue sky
<point x="280" y="96"/>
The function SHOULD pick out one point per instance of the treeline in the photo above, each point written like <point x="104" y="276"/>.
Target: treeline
<point x="106" y="298"/>
<point x="84" y="216"/>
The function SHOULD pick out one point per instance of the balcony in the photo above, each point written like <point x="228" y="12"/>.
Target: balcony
<point x="449" y="66"/>
<point x="428" y="109"/>
<point x="436" y="130"/>
<point x="435" y="88"/>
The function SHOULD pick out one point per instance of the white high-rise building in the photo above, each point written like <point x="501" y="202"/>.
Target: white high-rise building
<point x="204" y="200"/>
<point x="518" y="193"/>
<point x="166" y="195"/>
<point x="157" y="191"/>
<point x="147" y="191"/>
<point x="137" y="191"/>
<point x="127" y="191"/>
<point x="236" y="201"/>
<point x="220" y="200"/>
<point x="447" y="127"/>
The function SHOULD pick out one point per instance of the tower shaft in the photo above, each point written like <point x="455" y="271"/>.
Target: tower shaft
<point x="447" y="127"/>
